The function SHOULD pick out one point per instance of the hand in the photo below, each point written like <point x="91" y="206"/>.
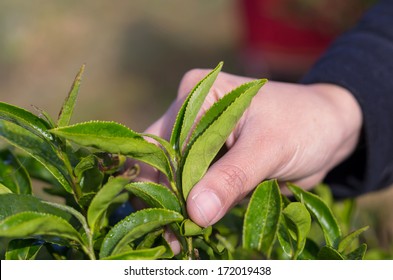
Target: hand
<point x="291" y="132"/>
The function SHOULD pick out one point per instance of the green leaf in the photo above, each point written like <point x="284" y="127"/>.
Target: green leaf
<point x="171" y="153"/>
<point x="226" y="242"/>
<point x="102" y="200"/>
<point x="4" y="189"/>
<point x="298" y="220"/>
<point x="310" y="251"/>
<point x="168" y="253"/>
<point x="325" y="193"/>
<point x="219" y="107"/>
<point x="262" y="217"/>
<point x="344" y="212"/>
<point x="202" y="151"/>
<point x="347" y="240"/>
<point x="189" y="228"/>
<point x="31" y="224"/>
<point x="25" y="119"/>
<point x="69" y="104"/>
<point x="156" y="238"/>
<point x="358" y="253"/>
<point x="134" y="226"/>
<point x="321" y="212"/>
<point x="36" y="170"/>
<point x="155" y="195"/>
<point x="45" y="116"/>
<point x="39" y="148"/>
<point x="284" y="238"/>
<point x="190" y="108"/>
<point x="142" y="254"/>
<point x="13" y="174"/>
<point x="91" y="181"/>
<point x="329" y="253"/>
<point x="23" y="249"/>
<point x="11" y="204"/>
<point x="115" y="138"/>
<point x="150" y="239"/>
<point x="86" y="163"/>
<point x="76" y="214"/>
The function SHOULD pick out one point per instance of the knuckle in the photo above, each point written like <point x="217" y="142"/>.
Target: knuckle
<point x="234" y="180"/>
<point x="195" y="74"/>
<point x="190" y="79"/>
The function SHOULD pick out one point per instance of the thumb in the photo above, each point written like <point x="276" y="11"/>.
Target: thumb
<point x="227" y="181"/>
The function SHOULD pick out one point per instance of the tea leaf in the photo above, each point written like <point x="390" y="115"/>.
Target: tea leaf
<point x="156" y="238"/>
<point x="103" y="199"/>
<point x="189" y="228"/>
<point x="155" y="195"/>
<point x="23" y="249"/>
<point x="69" y="104"/>
<point x="284" y="238"/>
<point x="134" y="226"/>
<point x="190" y="108"/>
<point x="262" y="217"/>
<point x="36" y="170"/>
<point x="25" y="119"/>
<point x="86" y="163"/>
<point x="168" y="253"/>
<point x="4" y="189"/>
<point x="205" y="147"/>
<point x="142" y="254"/>
<point x="299" y="223"/>
<point x="30" y="224"/>
<point x="13" y="174"/>
<point x="171" y="153"/>
<point x="87" y="236"/>
<point x="217" y="108"/>
<point x="115" y="138"/>
<point x="329" y="253"/>
<point x="347" y="240"/>
<point x="45" y="116"/>
<point x="344" y="212"/>
<point x="194" y="103"/>
<point x="88" y="175"/>
<point x="11" y="204"/>
<point x="149" y="239"/>
<point x="310" y="251"/>
<point x="39" y="148"/>
<point x="321" y="212"/>
<point x="325" y="193"/>
<point x="358" y="253"/>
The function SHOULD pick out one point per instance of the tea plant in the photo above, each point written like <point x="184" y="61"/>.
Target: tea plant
<point x="87" y="164"/>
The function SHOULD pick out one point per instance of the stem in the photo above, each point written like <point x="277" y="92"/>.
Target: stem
<point x="76" y="189"/>
<point x="190" y="248"/>
<point x="87" y="248"/>
<point x="89" y="252"/>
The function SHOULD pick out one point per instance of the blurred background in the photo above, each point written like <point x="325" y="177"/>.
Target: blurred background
<point x="137" y="51"/>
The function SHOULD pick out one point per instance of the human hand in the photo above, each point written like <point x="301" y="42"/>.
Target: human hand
<point x="291" y="132"/>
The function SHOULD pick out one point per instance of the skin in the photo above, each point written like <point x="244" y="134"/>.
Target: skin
<point x="290" y="132"/>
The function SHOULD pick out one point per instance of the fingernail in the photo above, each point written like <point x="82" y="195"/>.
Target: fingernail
<point x="208" y="205"/>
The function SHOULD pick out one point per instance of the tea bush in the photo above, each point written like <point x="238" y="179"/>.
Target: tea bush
<point x="87" y="165"/>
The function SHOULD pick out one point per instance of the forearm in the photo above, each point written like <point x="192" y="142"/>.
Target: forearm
<point x="362" y="62"/>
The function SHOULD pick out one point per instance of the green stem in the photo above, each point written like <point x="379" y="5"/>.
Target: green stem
<point x="77" y="191"/>
<point x="190" y="248"/>
<point x="89" y="252"/>
<point x="87" y="247"/>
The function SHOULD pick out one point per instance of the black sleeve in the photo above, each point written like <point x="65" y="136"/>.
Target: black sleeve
<point x="361" y="61"/>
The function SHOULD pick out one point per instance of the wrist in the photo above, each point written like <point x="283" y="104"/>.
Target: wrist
<point x="347" y="116"/>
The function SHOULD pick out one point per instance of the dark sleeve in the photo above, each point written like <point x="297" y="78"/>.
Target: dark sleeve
<point x="361" y="61"/>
